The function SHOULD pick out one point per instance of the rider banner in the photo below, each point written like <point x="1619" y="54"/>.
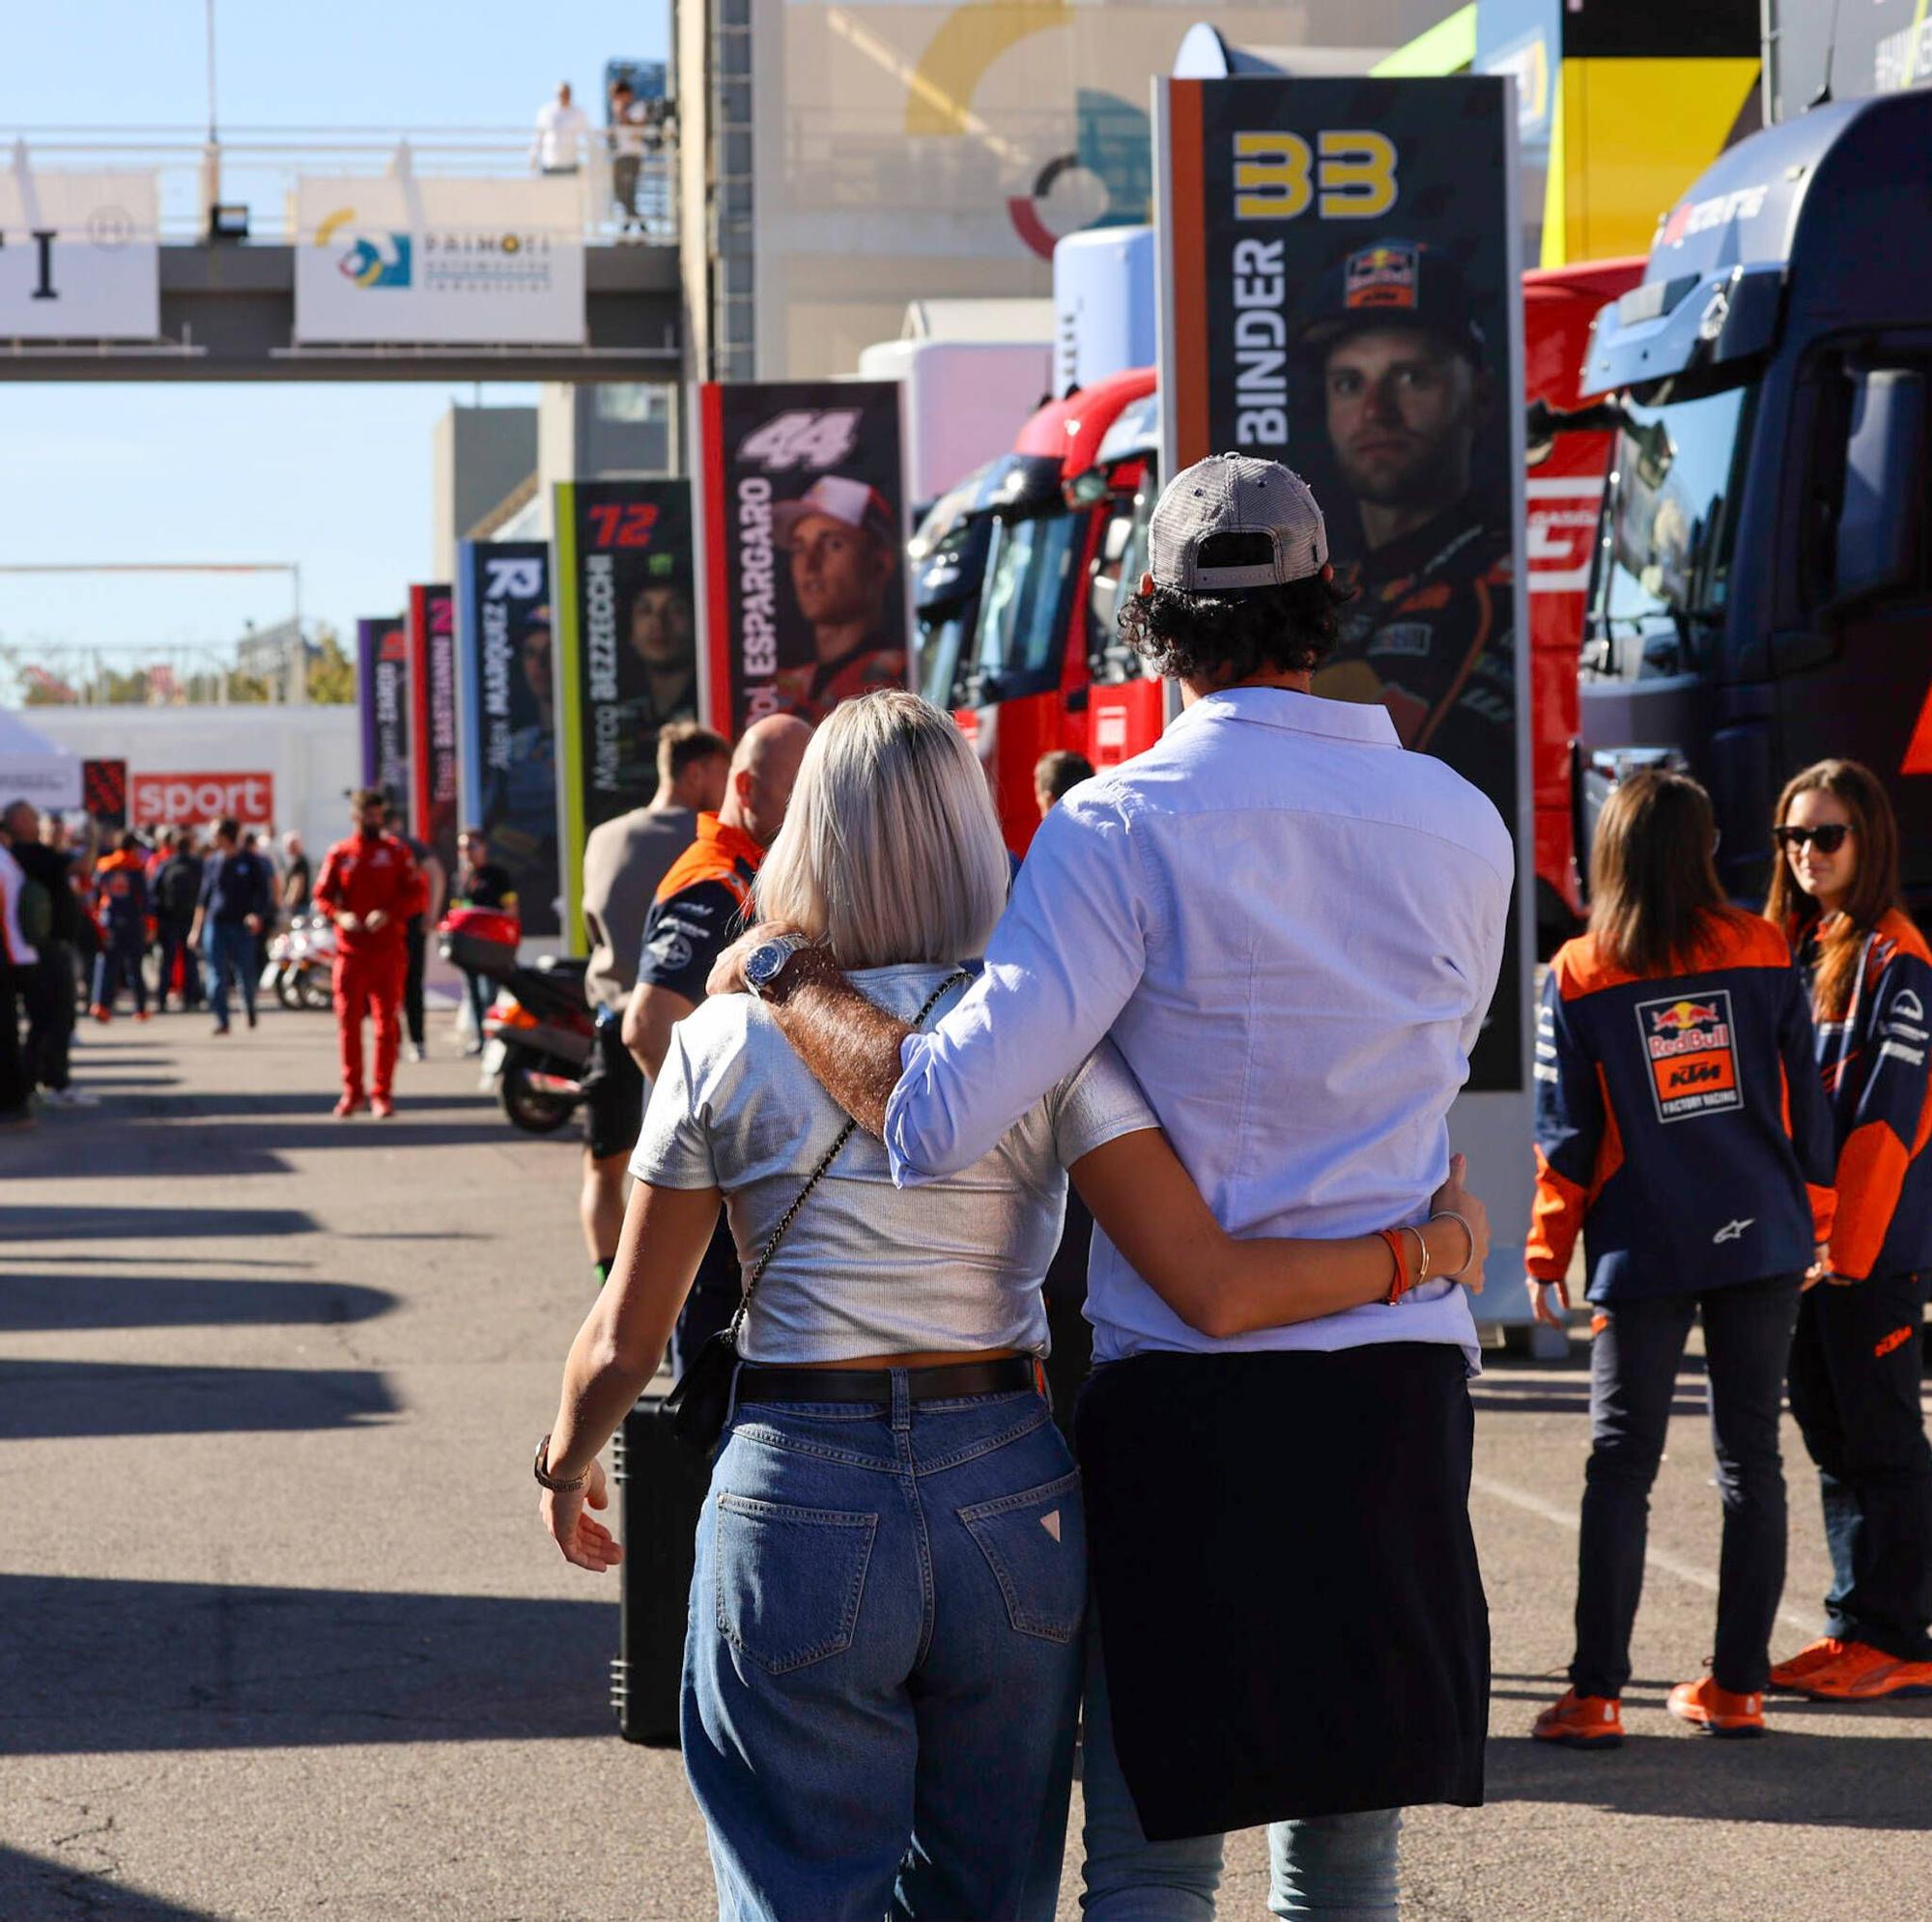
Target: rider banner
<point x="805" y="599"/>
<point x="80" y="255"/>
<point x="382" y="694"/>
<point x="1340" y="290"/>
<point x="394" y="258"/>
<point x="507" y="709"/>
<point x="432" y="636"/>
<point x="626" y="654"/>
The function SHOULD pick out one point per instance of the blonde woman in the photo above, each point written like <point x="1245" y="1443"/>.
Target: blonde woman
<point x="883" y="1665"/>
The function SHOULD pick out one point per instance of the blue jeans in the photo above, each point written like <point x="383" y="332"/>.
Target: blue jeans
<point x="122" y="951"/>
<point x="882" y="1671"/>
<point x="228" y="950"/>
<point x="1341" y="1866"/>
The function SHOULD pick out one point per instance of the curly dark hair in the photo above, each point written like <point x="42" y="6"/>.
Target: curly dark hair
<point x="1190" y="636"/>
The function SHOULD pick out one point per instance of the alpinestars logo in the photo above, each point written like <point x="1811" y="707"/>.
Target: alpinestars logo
<point x="1732" y="1232"/>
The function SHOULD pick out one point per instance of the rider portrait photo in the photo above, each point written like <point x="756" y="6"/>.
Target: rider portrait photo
<point x="1402" y="380"/>
<point x="803" y="495"/>
<point x="840" y="540"/>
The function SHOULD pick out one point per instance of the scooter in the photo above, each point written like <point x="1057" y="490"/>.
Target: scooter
<point x="537" y="1034"/>
<point x="536" y="1043"/>
<point x="301" y="963"/>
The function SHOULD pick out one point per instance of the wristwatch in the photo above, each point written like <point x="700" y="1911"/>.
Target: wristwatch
<point x="556" y="1483"/>
<point x="766" y="962"/>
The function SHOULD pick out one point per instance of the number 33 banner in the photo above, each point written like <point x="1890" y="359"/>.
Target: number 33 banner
<point x="1341" y="294"/>
<point x="804" y="518"/>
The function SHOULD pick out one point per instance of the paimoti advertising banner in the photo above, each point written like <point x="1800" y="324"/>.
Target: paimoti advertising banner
<point x="806" y="599"/>
<point x="1340" y="292"/>
<point x="440" y="262"/>
<point x="626" y="654"/>
<point x="80" y="255"/>
<point x="382" y="695"/>
<point x="507" y="753"/>
<point x="432" y="638"/>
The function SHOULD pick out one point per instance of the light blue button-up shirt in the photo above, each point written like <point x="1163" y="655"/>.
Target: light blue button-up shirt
<point x="1292" y="928"/>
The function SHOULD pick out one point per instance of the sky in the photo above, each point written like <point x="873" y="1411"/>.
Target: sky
<point x="332" y="476"/>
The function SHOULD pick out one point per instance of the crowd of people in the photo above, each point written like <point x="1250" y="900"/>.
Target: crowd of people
<point x="849" y="1187"/>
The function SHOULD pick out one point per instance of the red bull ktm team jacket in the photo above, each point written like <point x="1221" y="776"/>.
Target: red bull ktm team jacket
<point x="1680" y="1122"/>
<point x="1873" y="1065"/>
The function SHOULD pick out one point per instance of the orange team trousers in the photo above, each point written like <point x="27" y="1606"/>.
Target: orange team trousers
<point x="370" y="984"/>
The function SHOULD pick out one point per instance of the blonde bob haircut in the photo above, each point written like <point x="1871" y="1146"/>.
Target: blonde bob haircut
<point x="890" y="850"/>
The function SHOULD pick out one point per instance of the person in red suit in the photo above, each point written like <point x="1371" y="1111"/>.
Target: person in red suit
<point x="369" y="887"/>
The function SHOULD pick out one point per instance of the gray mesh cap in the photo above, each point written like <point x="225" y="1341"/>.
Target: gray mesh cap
<point x="1234" y="494"/>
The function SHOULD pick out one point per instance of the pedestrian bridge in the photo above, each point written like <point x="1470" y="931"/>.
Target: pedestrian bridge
<point x="228" y="237"/>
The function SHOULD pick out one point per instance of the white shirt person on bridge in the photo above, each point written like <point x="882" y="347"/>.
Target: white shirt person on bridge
<point x="562" y="129"/>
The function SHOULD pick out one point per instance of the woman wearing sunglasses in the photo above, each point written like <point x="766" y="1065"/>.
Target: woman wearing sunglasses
<point x="1857" y="1358"/>
<point x="1679" y="1125"/>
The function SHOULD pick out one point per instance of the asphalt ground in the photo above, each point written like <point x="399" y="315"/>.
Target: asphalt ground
<point x="280" y="1636"/>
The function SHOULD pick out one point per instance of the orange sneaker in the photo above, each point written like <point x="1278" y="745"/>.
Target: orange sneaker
<point x="1814" y="1656"/>
<point x="1862" y="1672"/>
<point x="1716" y="1711"/>
<point x="142" y="1014"/>
<point x="1581" y="1721"/>
<point x="101" y="1014"/>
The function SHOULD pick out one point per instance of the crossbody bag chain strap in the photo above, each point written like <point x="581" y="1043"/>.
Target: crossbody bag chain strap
<point x="818" y="1173"/>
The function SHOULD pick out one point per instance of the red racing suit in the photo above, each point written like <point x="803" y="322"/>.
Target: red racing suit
<point x="363" y="875"/>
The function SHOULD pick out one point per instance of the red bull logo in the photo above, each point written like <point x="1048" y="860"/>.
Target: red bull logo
<point x="1681" y="1017"/>
<point x="1383" y="276"/>
<point x="1694" y="1063"/>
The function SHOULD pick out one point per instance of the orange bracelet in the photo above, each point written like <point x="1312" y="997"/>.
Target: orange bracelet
<point x="1401" y="1285"/>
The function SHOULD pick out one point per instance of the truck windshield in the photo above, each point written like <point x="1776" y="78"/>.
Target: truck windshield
<point x="1024" y="613"/>
<point x="942" y="631"/>
<point x="1670" y="525"/>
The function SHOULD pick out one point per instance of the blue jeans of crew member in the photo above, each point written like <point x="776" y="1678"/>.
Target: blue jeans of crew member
<point x="229" y="950"/>
<point x="882" y="1670"/>
<point x="120" y="960"/>
<point x="1340" y="1866"/>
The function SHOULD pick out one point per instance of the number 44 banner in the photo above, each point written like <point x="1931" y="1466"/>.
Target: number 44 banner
<point x="803" y="507"/>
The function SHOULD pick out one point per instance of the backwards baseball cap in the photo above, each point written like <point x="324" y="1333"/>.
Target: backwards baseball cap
<point x="1234" y="494"/>
<point x="850" y="503"/>
<point x="1395" y="283"/>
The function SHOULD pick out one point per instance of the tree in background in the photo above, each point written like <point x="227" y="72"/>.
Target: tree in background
<point x="331" y="672"/>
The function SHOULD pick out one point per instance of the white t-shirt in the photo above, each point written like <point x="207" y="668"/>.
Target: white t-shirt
<point x="867" y="1268"/>
<point x="560" y="131"/>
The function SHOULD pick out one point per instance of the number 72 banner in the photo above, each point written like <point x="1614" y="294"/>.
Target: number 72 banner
<point x="803" y="505"/>
<point x="1341" y="293"/>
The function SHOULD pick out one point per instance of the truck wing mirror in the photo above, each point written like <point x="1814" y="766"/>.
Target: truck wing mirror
<point x="1879" y="523"/>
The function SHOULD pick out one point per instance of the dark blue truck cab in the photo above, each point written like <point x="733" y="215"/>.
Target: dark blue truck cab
<point x="1760" y="595"/>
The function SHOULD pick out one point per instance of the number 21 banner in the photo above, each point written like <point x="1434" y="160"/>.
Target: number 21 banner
<point x="803" y="579"/>
<point x="1341" y="293"/>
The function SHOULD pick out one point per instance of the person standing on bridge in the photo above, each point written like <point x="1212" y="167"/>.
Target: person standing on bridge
<point x="1680" y="1127"/>
<point x="370" y="886"/>
<point x="1856" y="1361"/>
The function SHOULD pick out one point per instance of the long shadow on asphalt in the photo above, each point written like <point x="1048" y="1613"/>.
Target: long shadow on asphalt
<point x="84" y="1151"/>
<point x="65" y="1400"/>
<point x="124" y="1300"/>
<point x="53" y="1888"/>
<point x="157" y="1224"/>
<point x="265" y="1105"/>
<point x="90" y="1666"/>
<point x="1826" y="1772"/>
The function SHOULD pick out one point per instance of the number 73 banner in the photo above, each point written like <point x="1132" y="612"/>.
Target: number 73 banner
<point x="803" y="507"/>
<point x="1341" y="293"/>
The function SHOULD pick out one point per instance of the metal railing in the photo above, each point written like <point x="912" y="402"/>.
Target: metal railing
<point x="257" y="168"/>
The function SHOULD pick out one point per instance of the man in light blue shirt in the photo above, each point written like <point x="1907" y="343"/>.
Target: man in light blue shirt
<point x="1291" y="929"/>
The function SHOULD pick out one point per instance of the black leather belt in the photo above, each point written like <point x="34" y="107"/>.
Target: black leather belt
<point x="950" y="1383"/>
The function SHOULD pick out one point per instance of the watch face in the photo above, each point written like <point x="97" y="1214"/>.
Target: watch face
<point x="765" y="962"/>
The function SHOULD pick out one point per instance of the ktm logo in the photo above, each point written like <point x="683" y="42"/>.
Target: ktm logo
<point x="1897" y="1339"/>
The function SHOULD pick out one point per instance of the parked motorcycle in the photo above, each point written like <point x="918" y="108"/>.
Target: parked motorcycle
<point x="301" y="963"/>
<point x="537" y="1034"/>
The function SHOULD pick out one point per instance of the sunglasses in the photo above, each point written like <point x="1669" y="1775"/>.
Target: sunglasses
<point x="1829" y="839"/>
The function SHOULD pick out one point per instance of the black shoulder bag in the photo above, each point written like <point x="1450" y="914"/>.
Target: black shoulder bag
<point x="697" y="1406"/>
